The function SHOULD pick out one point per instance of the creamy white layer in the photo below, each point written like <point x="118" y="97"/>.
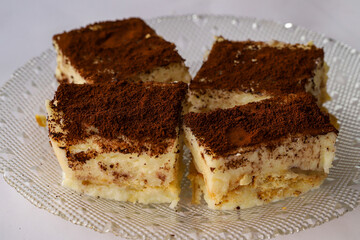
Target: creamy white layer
<point x="210" y="99"/>
<point x="261" y="190"/>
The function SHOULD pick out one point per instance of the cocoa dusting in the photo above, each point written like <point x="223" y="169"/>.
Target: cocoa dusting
<point x="76" y="160"/>
<point x="223" y="131"/>
<point x="258" y="68"/>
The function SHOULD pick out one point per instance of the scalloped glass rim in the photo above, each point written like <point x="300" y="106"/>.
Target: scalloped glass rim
<point x="29" y="165"/>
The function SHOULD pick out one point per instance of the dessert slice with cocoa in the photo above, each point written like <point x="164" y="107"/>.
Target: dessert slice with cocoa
<point x="236" y="73"/>
<point x="120" y="140"/>
<point x="259" y="152"/>
<point x="110" y="51"/>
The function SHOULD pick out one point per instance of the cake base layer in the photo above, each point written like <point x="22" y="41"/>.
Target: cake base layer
<point x="260" y="189"/>
<point x="168" y="194"/>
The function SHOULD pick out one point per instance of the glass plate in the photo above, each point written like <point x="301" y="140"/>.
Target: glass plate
<point x="29" y="165"/>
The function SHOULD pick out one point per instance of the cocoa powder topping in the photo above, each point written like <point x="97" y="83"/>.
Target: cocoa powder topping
<point x="130" y="117"/>
<point x="258" y="67"/>
<point x="110" y="50"/>
<point x="223" y="131"/>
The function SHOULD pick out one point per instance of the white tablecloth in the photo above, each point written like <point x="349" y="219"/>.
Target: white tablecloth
<point x="26" y="28"/>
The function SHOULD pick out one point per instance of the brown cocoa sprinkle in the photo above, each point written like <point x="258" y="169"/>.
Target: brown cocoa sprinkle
<point x="236" y="163"/>
<point x="161" y="176"/>
<point x="75" y="160"/>
<point x="223" y="131"/>
<point x="102" y="166"/>
<point x="258" y="68"/>
<point x="120" y="176"/>
<point x="110" y="50"/>
<point x="146" y="114"/>
<point x="84" y="156"/>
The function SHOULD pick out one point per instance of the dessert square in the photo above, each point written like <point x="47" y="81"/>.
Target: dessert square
<point x="113" y="50"/>
<point x="236" y="73"/>
<point x="120" y="140"/>
<point x="259" y="152"/>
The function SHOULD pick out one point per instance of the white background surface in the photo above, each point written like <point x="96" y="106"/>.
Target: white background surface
<point x="26" y="28"/>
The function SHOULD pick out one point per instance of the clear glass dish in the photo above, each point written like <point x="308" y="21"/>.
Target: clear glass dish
<point x="29" y="165"/>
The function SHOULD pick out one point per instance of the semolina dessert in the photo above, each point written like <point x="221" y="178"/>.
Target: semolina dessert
<point x="259" y="152"/>
<point x="120" y="140"/>
<point x="236" y="73"/>
<point x="117" y="50"/>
